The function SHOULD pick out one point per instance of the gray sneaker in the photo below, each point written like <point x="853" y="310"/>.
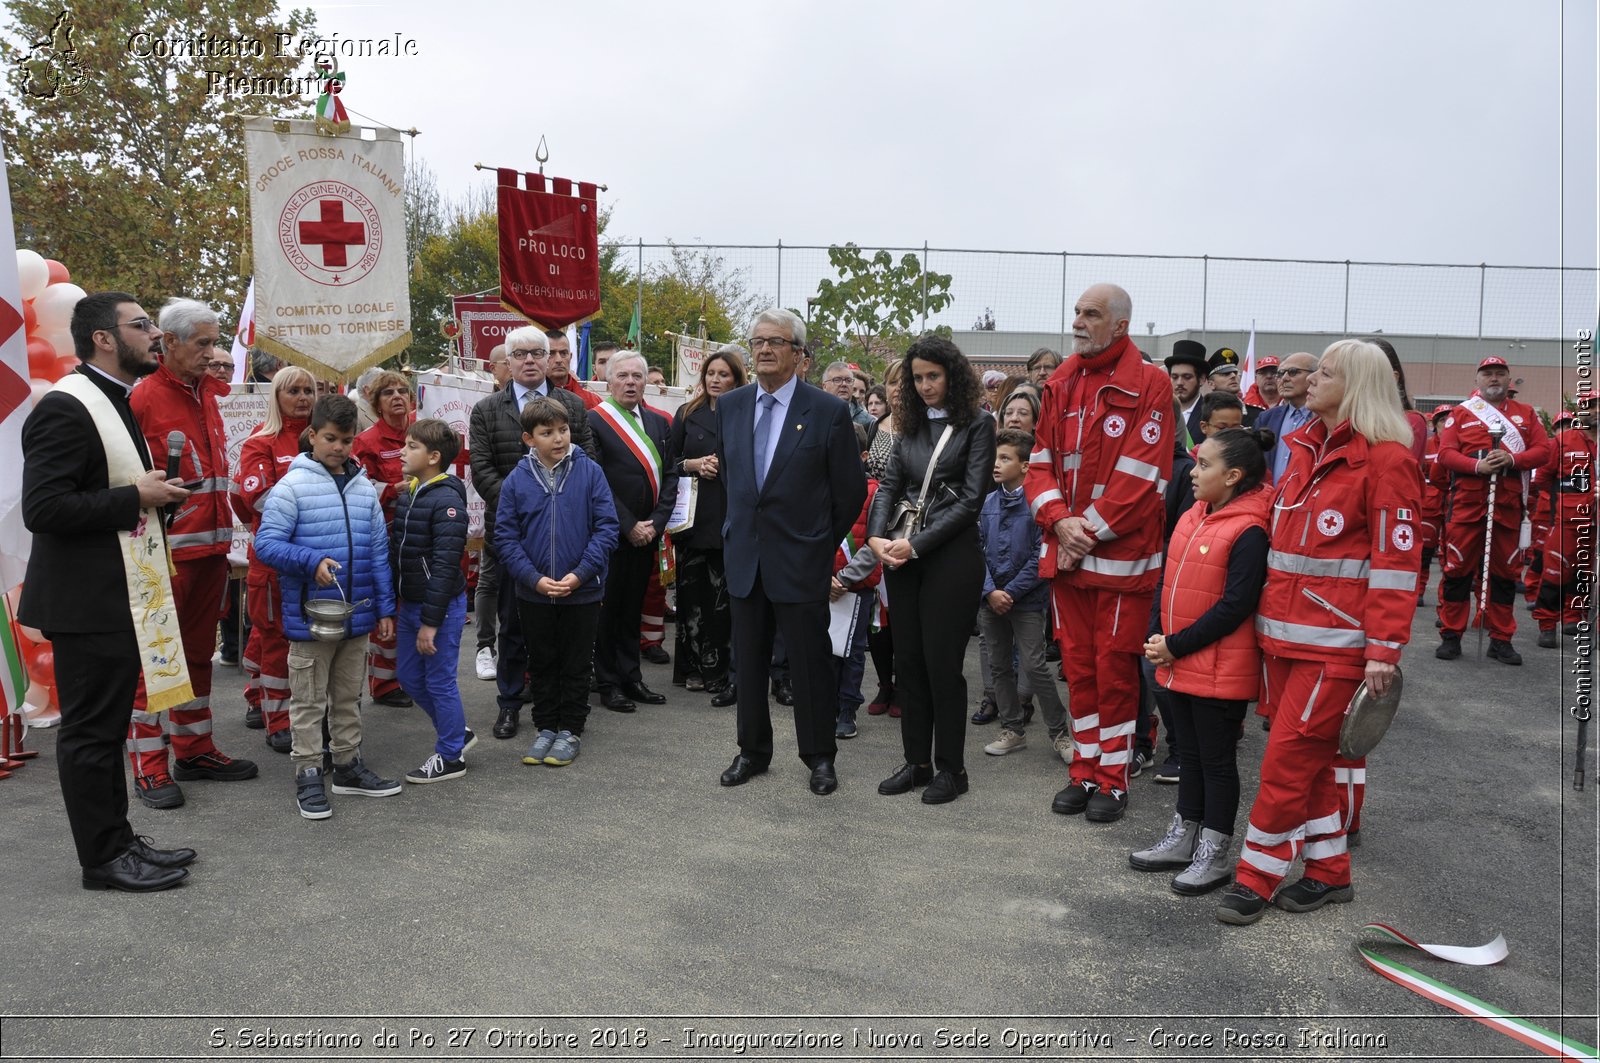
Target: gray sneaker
<point x="358" y="779"/>
<point x="1171" y="852"/>
<point x="540" y="748"/>
<point x="1007" y="741"/>
<point x="310" y="795"/>
<point x="563" y="751"/>
<point x="1210" y="868"/>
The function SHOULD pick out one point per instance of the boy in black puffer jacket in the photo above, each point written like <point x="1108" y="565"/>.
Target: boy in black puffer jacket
<point x="426" y="543"/>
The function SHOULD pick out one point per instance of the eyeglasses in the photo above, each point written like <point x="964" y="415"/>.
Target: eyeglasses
<point x="143" y="324"/>
<point x="523" y="356"/>
<point x="220" y="365"/>
<point x="387" y="392"/>
<point x="759" y="342"/>
<point x="1293" y="372"/>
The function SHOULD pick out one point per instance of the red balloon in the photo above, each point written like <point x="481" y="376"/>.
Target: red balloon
<point x="66" y="363"/>
<point x="41" y="359"/>
<point x="58" y="272"/>
<point x="30" y="320"/>
<point x="42" y="666"/>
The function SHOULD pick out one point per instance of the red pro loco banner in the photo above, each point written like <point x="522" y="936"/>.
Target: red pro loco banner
<point x="484" y="324"/>
<point x="549" y="250"/>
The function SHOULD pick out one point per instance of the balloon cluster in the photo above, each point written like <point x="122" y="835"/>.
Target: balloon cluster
<point x="48" y="299"/>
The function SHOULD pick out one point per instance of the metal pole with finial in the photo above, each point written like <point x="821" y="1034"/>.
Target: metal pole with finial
<point x="1495" y="435"/>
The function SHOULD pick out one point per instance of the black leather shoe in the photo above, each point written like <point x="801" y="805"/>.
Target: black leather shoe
<point x="614" y="701"/>
<point x="1501" y="650"/>
<point x="823" y="778"/>
<point x="945" y="787"/>
<point x="161" y="857"/>
<point x="131" y="873"/>
<point x="643" y="694"/>
<point x="1308" y="895"/>
<point x="1449" y="647"/>
<point x="1073" y="800"/>
<point x="783" y="691"/>
<point x="655" y="655"/>
<point x="505" y="725"/>
<point x="725" y="697"/>
<point x="905" y="778"/>
<point x="741" y="771"/>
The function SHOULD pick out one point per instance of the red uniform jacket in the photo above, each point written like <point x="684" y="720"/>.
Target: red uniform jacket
<point x="1104" y="452"/>
<point x="1435" y="482"/>
<point x="1464" y="439"/>
<point x="262" y="462"/>
<point x="590" y="399"/>
<point x="855" y="541"/>
<point x="379" y="450"/>
<point x="1343" y="562"/>
<point x="203" y="523"/>
<point x="1570" y="474"/>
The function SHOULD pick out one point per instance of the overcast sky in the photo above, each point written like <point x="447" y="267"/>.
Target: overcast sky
<point x="1412" y="131"/>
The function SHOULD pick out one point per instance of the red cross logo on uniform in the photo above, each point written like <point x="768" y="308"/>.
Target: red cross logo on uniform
<point x="1330" y="522"/>
<point x="1403" y="537"/>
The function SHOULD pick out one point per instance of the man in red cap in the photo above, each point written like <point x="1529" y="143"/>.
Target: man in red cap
<point x="1263" y="394"/>
<point x="1468" y="451"/>
<point x="1569" y="547"/>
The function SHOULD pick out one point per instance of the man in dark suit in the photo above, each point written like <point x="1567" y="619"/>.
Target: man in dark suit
<point x="795" y="487"/>
<point x="494" y="432"/>
<point x="632" y="440"/>
<point x="1187" y="368"/>
<point x="76" y="590"/>
<point x="1290" y="415"/>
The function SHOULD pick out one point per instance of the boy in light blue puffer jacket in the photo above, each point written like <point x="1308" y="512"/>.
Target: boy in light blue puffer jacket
<point x="322" y="528"/>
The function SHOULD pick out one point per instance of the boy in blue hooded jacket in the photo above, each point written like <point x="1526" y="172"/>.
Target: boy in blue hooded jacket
<point x="322" y="529"/>
<point x="555" y="529"/>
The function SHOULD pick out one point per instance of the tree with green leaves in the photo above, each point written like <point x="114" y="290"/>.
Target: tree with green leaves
<point x="692" y="287"/>
<point x="869" y="313"/>
<point x="122" y="164"/>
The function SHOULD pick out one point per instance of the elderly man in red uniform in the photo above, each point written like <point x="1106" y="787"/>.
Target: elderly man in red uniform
<point x="181" y="397"/>
<point x="1570" y="544"/>
<point x="1467" y="451"/>
<point x="1096" y="486"/>
<point x="378" y="449"/>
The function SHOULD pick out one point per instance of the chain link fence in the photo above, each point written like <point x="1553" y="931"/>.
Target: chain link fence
<point x="1441" y="317"/>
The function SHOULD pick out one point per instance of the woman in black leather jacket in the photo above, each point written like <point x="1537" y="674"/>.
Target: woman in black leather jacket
<point x="934" y="577"/>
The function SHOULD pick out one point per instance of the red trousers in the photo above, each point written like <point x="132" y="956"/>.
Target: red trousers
<point x="1298" y="808"/>
<point x="266" y="655"/>
<point x="1463" y="578"/>
<point x="1102" y="641"/>
<point x="200" y="595"/>
<point x="1569" y="549"/>
<point x="652" y="621"/>
<point x="381" y="662"/>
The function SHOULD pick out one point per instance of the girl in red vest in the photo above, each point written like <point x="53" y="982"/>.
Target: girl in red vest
<point x="1209" y="661"/>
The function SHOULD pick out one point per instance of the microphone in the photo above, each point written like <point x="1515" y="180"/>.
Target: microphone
<point x="175" y="443"/>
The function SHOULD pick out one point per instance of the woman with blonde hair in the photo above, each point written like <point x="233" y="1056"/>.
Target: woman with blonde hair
<point x="1335" y="613"/>
<point x="264" y="457"/>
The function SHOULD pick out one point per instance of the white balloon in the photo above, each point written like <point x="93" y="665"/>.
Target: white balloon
<point x="32" y="273"/>
<point x="53" y="306"/>
<point x="59" y="338"/>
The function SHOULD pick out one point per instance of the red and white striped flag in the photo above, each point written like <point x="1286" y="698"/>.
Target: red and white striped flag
<point x="16" y="397"/>
<point x="1247" y="372"/>
<point x="244" y="337"/>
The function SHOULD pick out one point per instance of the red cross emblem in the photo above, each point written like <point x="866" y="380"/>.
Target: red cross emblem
<point x="1403" y="537"/>
<point x="1330" y="522"/>
<point x="331" y="233"/>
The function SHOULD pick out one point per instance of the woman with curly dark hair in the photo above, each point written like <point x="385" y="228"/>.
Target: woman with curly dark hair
<point x="923" y="526"/>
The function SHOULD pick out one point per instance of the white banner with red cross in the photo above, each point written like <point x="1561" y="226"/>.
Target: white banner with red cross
<point x="328" y="243"/>
<point x="450" y="397"/>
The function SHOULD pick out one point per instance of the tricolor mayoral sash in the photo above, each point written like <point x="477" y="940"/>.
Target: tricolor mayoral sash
<point x="146" y="560"/>
<point x="630" y="428"/>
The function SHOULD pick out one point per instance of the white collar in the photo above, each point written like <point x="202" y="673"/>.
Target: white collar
<point x="127" y="389"/>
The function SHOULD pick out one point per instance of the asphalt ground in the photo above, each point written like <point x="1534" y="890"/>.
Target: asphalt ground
<point x="628" y="897"/>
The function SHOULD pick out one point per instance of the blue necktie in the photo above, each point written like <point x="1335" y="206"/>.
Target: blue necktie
<point x="763" y="436"/>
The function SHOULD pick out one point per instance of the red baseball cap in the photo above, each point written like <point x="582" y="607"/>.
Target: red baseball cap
<point x="1493" y="359"/>
<point x="1267" y="360"/>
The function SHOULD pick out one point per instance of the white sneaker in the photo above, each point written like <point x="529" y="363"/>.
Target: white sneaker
<point x="1063" y="748"/>
<point x="486" y="663"/>
<point x="1008" y="741"/>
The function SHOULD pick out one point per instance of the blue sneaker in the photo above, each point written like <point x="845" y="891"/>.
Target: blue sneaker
<point x="540" y="748"/>
<point x="564" y="751"/>
<point x="845" y="726"/>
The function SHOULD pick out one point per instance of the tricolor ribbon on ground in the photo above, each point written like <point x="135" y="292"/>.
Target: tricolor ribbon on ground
<point x="1551" y="1044"/>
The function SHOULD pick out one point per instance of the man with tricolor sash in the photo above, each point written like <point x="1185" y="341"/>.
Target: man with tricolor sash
<point x="99" y="582"/>
<point x="632" y="439"/>
<point x="1467" y="449"/>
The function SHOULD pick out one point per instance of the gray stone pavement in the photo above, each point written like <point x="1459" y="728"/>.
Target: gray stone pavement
<point x="630" y="884"/>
